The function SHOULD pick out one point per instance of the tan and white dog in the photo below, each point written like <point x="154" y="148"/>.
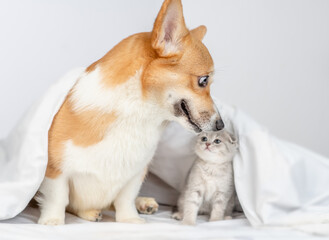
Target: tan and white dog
<point x="106" y="132"/>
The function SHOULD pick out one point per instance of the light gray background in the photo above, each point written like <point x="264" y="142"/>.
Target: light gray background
<point x="271" y="57"/>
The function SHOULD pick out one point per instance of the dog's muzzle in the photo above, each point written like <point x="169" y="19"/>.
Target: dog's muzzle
<point x="219" y="125"/>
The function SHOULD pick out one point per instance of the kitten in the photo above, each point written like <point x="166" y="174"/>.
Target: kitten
<point x="210" y="184"/>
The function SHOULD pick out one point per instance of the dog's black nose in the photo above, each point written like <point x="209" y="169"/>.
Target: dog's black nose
<point x="219" y="124"/>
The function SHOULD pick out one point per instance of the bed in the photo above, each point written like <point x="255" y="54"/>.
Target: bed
<point x="159" y="226"/>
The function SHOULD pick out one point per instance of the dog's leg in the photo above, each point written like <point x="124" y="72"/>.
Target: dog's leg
<point x="125" y="209"/>
<point x="146" y="205"/>
<point x="53" y="200"/>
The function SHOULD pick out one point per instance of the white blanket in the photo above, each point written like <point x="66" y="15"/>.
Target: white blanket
<point x="278" y="183"/>
<point x="159" y="226"/>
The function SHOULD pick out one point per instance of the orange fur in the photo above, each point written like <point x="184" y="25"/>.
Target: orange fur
<point x="122" y="61"/>
<point x="199" y="32"/>
<point x="158" y="33"/>
<point x="83" y="128"/>
<point x="139" y="51"/>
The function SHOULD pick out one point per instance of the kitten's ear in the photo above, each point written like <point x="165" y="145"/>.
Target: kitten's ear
<point x="232" y="138"/>
<point x="201" y="133"/>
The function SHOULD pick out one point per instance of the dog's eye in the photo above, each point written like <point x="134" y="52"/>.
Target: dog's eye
<point x="203" y="81"/>
<point x="204" y="139"/>
<point x="217" y="141"/>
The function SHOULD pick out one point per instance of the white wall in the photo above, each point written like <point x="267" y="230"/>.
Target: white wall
<point x="272" y="57"/>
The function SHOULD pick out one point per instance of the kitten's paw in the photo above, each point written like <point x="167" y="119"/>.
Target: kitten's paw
<point x="146" y="205"/>
<point x="189" y="222"/>
<point x="177" y="215"/>
<point x="136" y="220"/>
<point x="91" y="215"/>
<point x="51" y="221"/>
<point x="213" y="219"/>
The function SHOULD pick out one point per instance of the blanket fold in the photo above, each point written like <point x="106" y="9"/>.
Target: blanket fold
<point x="278" y="183"/>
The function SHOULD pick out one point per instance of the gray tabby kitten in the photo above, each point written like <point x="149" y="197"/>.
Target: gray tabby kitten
<point x="210" y="184"/>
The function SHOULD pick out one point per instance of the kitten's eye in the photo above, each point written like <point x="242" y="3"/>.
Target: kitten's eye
<point x="203" y="81"/>
<point x="217" y="141"/>
<point x="204" y="139"/>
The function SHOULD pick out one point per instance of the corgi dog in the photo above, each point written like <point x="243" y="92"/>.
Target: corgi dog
<point x="105" y="133"/>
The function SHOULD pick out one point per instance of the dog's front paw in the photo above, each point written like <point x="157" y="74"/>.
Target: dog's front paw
<point x="91" y="215"/>
<point x="146" y="205"/>
<point x="51" y="221"/>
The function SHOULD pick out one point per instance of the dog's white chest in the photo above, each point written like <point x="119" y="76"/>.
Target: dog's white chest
<point x="106" y="167"/>
<point x="126" y="149"/>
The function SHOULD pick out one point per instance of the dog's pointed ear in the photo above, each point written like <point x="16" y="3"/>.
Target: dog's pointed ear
<point x="169" y="29"/>
<point x="199" y="32"/>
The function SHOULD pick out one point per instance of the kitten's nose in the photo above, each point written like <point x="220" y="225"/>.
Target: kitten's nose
<point x="207" y="144"/>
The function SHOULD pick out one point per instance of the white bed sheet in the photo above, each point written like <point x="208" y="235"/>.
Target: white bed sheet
<point x="278" y="183"/>
<point x="159" y="226"/>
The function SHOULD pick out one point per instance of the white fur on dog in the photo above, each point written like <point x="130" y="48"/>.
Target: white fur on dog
<point x="104" y="172"/>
